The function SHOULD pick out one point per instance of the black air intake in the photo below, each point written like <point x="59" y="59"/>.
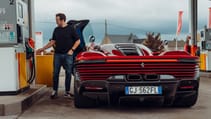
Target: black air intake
<point x="134" y="77"/>
<point x="128" y="49"/>
<point x="151" y="77"/>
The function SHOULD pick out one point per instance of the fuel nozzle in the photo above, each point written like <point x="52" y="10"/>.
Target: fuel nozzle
<point x="30" y="45"/>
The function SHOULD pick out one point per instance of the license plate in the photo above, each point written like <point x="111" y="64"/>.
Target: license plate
<point x="143" y="90"/>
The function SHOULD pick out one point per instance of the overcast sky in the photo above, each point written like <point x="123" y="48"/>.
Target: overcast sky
<point x="145" y="14"/>
<point x="118" y="10"/>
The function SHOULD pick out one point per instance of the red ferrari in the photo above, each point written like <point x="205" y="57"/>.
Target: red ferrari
<point x="113" y="73"/>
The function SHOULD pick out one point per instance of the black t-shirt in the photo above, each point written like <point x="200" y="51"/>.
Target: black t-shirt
<point x="65" y="39"/>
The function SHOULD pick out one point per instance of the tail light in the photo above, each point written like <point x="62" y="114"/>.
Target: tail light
<point x="93" y="88"/>
<point x="186" y="87"/>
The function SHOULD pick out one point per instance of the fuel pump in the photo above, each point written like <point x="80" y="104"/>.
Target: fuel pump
<point x="17" y="69"/>
<point x="206" y="49"/>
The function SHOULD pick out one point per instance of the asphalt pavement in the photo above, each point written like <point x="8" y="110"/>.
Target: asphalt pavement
<point x="63" y="108"/>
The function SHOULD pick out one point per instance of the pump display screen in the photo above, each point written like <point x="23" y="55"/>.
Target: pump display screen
<point x="208" y="45"/>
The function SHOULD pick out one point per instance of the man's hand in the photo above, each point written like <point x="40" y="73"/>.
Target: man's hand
<point x="39" y="51"/>
<point x="50" y="44"/>
<point x="70" y="52"/>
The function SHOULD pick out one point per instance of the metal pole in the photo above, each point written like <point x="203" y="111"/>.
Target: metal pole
<point x="176" y="43"/>
<point x="32" y="25"/>
<point x="193" y="24"/>
<point x="31" y="19"/>
<point x="106" y="28"/>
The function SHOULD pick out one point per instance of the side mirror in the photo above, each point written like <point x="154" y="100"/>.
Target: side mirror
<point x="91" y="39"/>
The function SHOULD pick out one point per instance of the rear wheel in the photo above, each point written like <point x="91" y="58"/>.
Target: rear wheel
<point x="114" y="100"/>
<point x="81" y="101"/>
<point x="186" y="101"/>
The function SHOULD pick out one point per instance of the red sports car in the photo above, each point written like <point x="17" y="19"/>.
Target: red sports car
<point x="125" y="71"/>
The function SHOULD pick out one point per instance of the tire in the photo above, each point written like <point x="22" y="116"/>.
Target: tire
<point x="81" y="101"/>
<point x="187" y="102"/>
<point x="114" y="100"/>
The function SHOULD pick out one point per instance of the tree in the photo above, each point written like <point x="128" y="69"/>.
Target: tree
<point x="154" y="42"/>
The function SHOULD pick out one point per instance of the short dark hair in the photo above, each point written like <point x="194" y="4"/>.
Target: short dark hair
<point x="61" y="16"/>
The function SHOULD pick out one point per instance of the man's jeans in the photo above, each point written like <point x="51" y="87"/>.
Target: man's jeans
<point x="66" y="61"/>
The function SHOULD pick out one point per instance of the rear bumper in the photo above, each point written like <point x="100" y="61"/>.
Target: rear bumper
<point x="111" y="91"/>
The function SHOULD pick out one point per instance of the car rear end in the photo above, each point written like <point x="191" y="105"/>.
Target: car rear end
<point x="169" y="79"/>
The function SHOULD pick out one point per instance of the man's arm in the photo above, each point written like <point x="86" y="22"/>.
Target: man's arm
<point x="77" y="43"/>
<point x="50" y="44"/>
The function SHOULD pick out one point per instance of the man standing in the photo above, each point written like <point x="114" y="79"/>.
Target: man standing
<point x="66" y="41"/>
